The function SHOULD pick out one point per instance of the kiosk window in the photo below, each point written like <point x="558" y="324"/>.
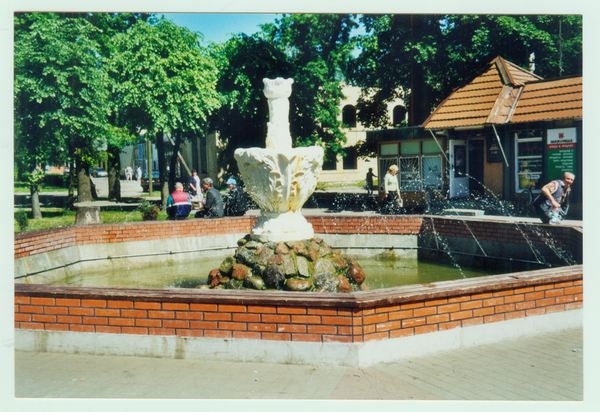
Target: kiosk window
<point x="529" y="153"/>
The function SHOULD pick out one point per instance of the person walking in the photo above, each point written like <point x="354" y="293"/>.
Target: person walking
<point x="138" y="174"/>
<point x="128" y="173"/>
<point x="392" y="199"/>
<point x="369" y="179"/>
<point x="196" y="189"/>
<point x="213" y="207"/>
<point x="553" y="203"/>
<point x="236" y="199"/>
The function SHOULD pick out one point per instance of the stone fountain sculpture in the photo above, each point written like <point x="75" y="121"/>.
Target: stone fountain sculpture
<point x="280" y="178"/>
<point x="281" y="252"/>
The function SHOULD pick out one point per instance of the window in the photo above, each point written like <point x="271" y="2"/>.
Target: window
<point x="529" y="153"/>
<point x="349" y="116"/>
<point x="420" y="164"/>
<point x="399" y="115"/>
<point x="410" y="148"/>
<point x="410" y="176"/>
<point x="329" y="160"/>
<point x="431" y="170"/>
<point x="388" y="149"/>
<point x="350" y="158"/>
<point x="430" y="147"/>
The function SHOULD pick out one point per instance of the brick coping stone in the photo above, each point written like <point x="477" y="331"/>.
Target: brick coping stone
<point x="354" y="300"/>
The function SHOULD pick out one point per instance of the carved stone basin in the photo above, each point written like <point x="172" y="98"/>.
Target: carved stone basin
<point x="280" y="182"/>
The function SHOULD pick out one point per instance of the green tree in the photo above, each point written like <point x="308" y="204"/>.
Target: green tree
<point x="317" y="47"/>
<point x="165" y="83"/>
<point x="243" y="62"/>
<point x="110" y="24"/>
<point x="60" y="93"/>
<point x="422" y="58"/>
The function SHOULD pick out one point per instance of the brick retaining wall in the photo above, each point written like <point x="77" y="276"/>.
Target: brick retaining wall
<point x="297" y="316"/>
<point x="29" y="243"/>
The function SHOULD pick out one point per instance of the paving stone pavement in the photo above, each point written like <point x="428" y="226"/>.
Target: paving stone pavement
<point x="546" y="367"/>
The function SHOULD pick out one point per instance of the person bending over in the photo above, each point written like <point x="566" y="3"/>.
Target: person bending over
<point x="553" y="203"/>
<point x="213" y="207"/>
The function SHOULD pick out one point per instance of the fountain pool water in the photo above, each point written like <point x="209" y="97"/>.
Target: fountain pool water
<point x="385" y="270"/>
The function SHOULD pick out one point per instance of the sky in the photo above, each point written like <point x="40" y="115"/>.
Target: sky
<point x="218" y="27"/>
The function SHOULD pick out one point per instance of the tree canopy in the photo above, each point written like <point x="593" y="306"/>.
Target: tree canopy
<point x="422" y="58"/>
<point x="243" y="62"/>
<point x="317" y="47"/>
<point x="61" y="90"/>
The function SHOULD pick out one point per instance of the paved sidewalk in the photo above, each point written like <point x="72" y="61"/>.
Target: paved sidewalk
<point x="545" y="367"/>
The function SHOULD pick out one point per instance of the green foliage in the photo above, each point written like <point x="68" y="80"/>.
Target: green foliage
<point x="163" y="79"/>
<point x="35" y="180"/>
<point x="312" y="49"/>
<point x="422" y="58"/>
<point x="149" y="210"/>
<point x="243" y="63"/>
<point x="60" y="89"/>
<point x="22" y="220"/>
<point x="317" y="47"/>
<point x="65" y="218"/>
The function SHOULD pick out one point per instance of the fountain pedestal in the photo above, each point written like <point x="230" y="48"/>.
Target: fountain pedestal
<point x="280" y="178"/>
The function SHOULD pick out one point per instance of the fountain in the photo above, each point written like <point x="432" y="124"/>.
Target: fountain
<point x="281" y="251"/>
<point x="280" y="178"/>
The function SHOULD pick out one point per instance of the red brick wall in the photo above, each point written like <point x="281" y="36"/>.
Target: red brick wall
<point x="29" y="243"/>
<point x="354" y="317"/>
<point x="502" y="231"/>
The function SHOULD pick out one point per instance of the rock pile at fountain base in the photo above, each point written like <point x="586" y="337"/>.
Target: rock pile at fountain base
<point x="304" y="265"/>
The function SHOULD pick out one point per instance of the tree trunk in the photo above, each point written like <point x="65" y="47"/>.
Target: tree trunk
<point x="114" y="172"/>
<point x="84" y="183"/>
<point x="88" y="215"/>
<point x="35" y="203"/>
<point x="162" y="170"/>
<point x="173" y="163"/>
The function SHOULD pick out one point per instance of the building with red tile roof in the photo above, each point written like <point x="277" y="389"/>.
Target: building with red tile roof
<point x="501" y="132"/>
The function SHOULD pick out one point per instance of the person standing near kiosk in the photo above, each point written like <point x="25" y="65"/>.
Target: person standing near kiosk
<point x="392" y="201"/>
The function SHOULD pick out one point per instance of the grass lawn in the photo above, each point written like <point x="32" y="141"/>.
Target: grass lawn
<point x="333" y="185"/>
<point x="24" y="189"/>
<point x="58" y="217"/>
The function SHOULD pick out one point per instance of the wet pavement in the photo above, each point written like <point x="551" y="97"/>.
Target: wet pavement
<point x="546" y="367"/>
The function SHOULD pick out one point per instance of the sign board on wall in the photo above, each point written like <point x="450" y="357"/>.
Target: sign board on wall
<point x="494" y="155"/>
<point x="561" y="148"/>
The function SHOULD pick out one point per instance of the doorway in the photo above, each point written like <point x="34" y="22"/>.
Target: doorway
<point x="459" y="172"/>
<point x="476" y="156"/>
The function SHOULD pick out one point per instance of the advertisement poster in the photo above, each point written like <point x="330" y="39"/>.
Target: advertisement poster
<point x="561" y="147"/>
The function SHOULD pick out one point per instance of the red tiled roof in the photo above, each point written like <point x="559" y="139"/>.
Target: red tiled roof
<point x="503" y="93"/>
<point x="549" y="100"/>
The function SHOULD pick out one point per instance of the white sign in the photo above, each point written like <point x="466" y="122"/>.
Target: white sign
<point x="562" y="138"/>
